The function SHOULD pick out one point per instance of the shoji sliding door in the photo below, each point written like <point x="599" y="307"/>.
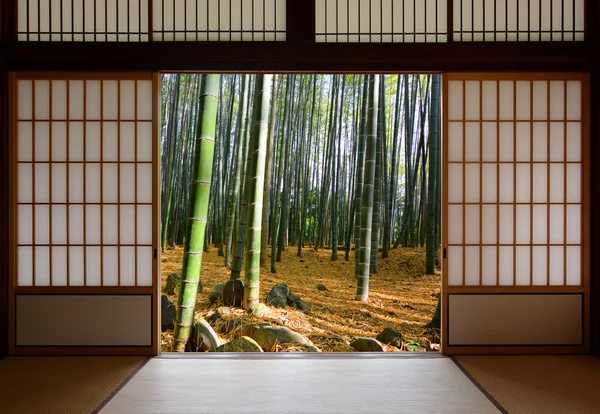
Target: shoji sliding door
<point x="515" y="213"/>
<point x="84" y="273"/>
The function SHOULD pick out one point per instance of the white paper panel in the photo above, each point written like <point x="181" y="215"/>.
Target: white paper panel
<point x="110" y="262"/>
<point x="506" y="224"/>
<point x="523" y="100"/>
<point x="472" y="141"/>
<point x="76" y="266"/>
<point x="76" y="224"/>
<point x="110" y="221"/>
<point x="24" y="193"/>
<point x="574" y="100"/>
<point x="573" y="141"/>
<point x="42" y="183"/>
<point x="42" y="99"/>
<point x="523" y="183"/>
<point x="110" y="100"/>
<point x="472" y="224"/>
<point x="92" y="183"/>
<point x="455" y="100"/>
<point x="540" y="100"/>
<point x="489" y="224"/>
<point x="127" y="227"/>
<point x="507" y="141"/>
<point x="523" y="224"/>
<point x="573" y="224"/>
<point x="455" y="141"/>
<point x="76" y="100"/>
<point x="472" y="183"/>
<point x="92" y="99"/>
<point x="76" y="141"/>
<point x="506" y="265"/>
<point x="540" y="265"/>
<point x="557" y="141"/>
<point x="472" y="104"/>
<point x="25" y="141"/>
<point x="59" y="266"/>
<point x="557" y="100"/>
<point x="59" y="141"/>
<point x="127" y="141"/>
<point x="144" y="100"/>
<point x="540" y="224"/>
<point x="25" y="99"/>
<point x="92" y="226"/>
<point x="42" y="266"/>
<point x="472" y="257"/>
<point x="24" y="228"/>
<point x="490" y="100"/>
<point x="540" y="183"/>
<point x="144" y="183"/>
<point x="110" y="141"/>
<point x="76" y="183"/>
<point x="573" y="183"/>
<point x="92" y="141"/>
<point x="557" y="223"/>
<point x="455" y="265"/>
<point x="507" y="104"/>
<point x="59" y="183"/>
<point x="25" y="266"/>
<point x="490" y="183"/>
<point x="557" y="262"/>
<point x="93" y="266"/>
<point x="144" y="266"/>
<point x="507" y="183"/>
<point x="59" y="99"/>
<point x="42" y="224"/>
<point x="523" y="265"/>
<point x="127" y="183"/>
<point x="145" y="225"/>
<point x="489" y="141"/>
<point x="540" y="142"/>
<point x="573" y="265"/>
<point x="110" y="189"/>
<point x="42" y="141"/>
<point x="144" y="141"/>
<point x="557" y="183"/>
<point x="59" y="224"/>
<point x="127" y="100"/>
<point x="489" y="265"/>
<point x="455" y="224"/>
<point x="127" y="266"/>
<point x="523" y="141"/>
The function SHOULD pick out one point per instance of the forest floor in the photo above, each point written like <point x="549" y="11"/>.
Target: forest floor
<point x="401" y="296"/>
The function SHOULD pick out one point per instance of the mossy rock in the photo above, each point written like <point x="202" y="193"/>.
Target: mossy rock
<point x="217" y="293"/>
<point x="267" y="336"/>
<point x="259" y="310"/>
<point x="173" y="283"/>
<point x="367" y="345"/>
<point x="390" y="336"/>
<point x="243" y="344"/>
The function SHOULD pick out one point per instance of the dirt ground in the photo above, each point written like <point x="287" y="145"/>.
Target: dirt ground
<point x="401" y="297"/>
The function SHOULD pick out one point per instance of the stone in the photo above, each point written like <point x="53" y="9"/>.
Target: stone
<point x="278" y="296"/>
<point x="173" y="282"/>
<point x="231" y="325"/>
<point x="168" y="313"/>
<point x="243" y="344"/>
<point x="233" y="293"/>
<point x="322" y="287"/>
<point x="204" y="338"/>
<point x="267" y="336"/>
<point x="259" y="310"/>
<point x="215" y="316"/>
<point x="217" y="293"/>
<point x="296" y="302"/>
<point x="367" y="345"/>
<point x="390" y="336"/>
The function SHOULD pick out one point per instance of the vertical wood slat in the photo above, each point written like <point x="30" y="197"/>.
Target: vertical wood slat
<point x="300" y="21"/>
<point x="33" y="185"/>
<point x="548" y="167"/>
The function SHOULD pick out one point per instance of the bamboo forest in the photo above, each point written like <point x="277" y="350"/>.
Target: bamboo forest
<point x="300" y="212"/>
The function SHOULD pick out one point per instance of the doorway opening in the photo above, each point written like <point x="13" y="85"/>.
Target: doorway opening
<point x="270" y="182"/>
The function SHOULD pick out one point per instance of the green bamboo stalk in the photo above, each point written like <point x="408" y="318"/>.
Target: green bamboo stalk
<point x="199" y="197"/>
<point x="253" y="230"/>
